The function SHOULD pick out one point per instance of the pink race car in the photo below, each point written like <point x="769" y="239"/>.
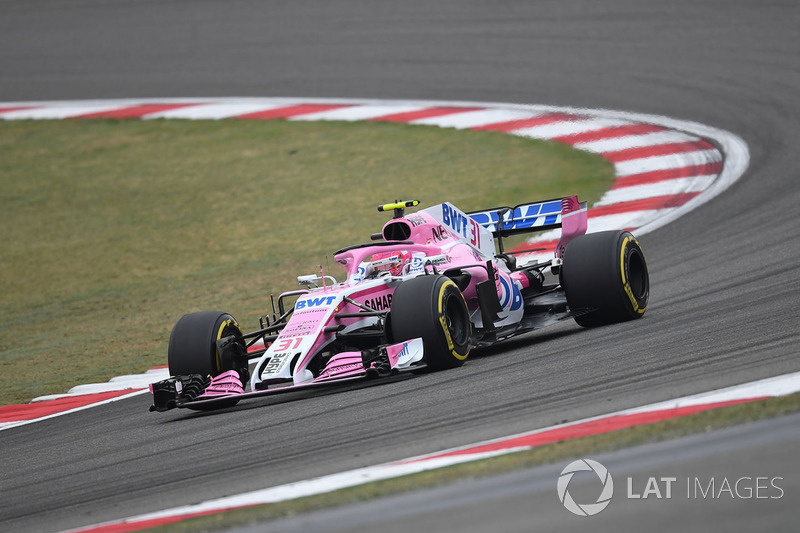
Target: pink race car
<point x="433" y="285"/>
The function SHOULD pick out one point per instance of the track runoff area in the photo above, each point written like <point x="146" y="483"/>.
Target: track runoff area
<point x="664" y="169"/>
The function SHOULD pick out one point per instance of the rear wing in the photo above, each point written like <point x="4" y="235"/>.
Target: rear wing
<point x="566" y="213"/>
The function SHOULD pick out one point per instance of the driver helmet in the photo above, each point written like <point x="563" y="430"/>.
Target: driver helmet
<point x="396" y="260"/>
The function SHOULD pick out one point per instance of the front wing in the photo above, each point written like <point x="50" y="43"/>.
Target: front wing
<point x="203" y="392"/>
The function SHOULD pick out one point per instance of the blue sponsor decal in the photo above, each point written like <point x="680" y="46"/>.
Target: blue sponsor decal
<point x="416" y="264"/>
<point x="521" y="217"/>
<point x="454" y="220"/>
<point x="315" y="302"/>
<point x="511" y="295"/>
<point x="404" y="351"/>
<point x="550" y="219"/>
<point x="461" y="224"/>
<point x="360" y="273"/>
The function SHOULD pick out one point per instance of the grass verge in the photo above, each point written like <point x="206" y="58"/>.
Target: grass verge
<point x="550" y="453"/>
<point x="113" y="229"/>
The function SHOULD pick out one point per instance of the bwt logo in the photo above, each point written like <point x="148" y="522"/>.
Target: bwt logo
<point x="454" y="219"/>
<point x="404" y="351"/>
<point x="586" y="509"/>
<point x="315" y="302"/>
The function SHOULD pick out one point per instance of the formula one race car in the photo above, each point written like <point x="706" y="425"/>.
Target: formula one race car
<point x="433" y="285"/>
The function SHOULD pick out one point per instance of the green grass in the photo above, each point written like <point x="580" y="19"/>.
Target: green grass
<point x="550" y="453"/>
<point x="113" y="229"/>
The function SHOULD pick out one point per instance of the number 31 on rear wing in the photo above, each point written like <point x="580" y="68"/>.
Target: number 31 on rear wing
<point x="566" y="213"/>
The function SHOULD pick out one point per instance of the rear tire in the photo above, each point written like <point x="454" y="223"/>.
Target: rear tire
<point x="432" y="307"/>
<point x="605" y="278"/>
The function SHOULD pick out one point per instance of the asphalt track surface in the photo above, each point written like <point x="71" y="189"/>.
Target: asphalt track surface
<point x="527" y="498"/>
<point x="724" y="301"/>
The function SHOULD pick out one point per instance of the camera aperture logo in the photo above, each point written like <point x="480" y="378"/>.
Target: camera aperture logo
<point x="586" y="509"/>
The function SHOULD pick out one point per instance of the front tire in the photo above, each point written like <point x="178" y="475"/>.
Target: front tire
<point x="432" y="307"/>
<point x="605" y="278"/>
<point x="193" y="344"/>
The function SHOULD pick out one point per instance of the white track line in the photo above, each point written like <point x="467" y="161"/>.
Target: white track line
<point x="214" y="111"/>
<point x="616" y="144"/>
<point x="666" y="162"/>
<point x="474" y="119"/>
<point x="568" y="127"/>
<point x="8" y="425"/>
<point x="355" y="113"/>
<point x="57" y="112"/>
<point x="652" y="190"/>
